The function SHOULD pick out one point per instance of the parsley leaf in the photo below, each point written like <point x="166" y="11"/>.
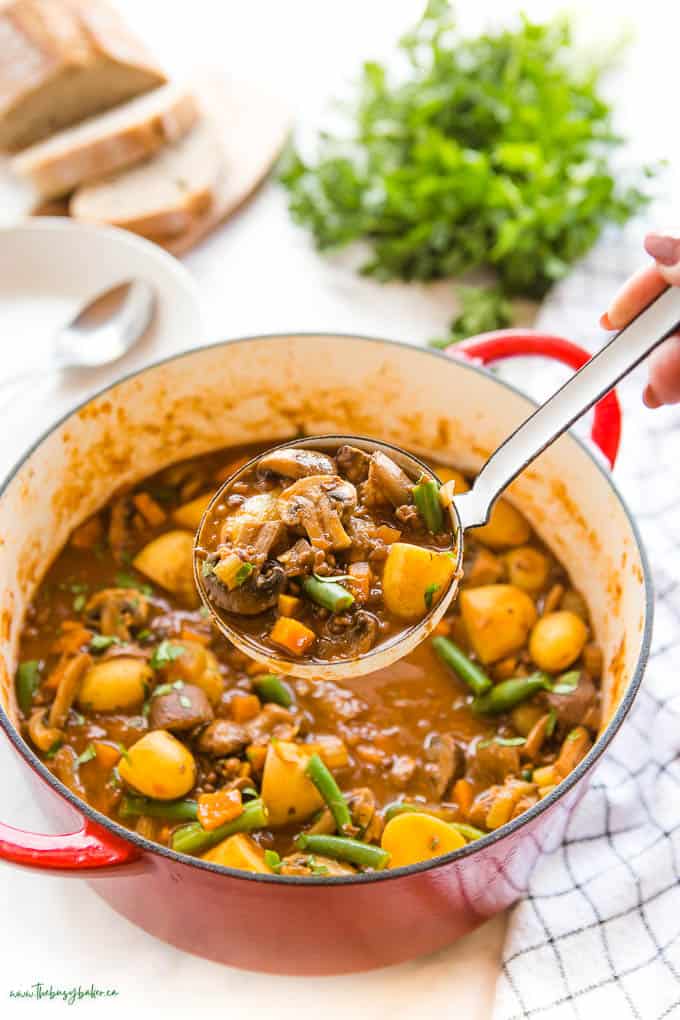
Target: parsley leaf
<point x="485" y="152"/>
<point x="430" y="593"/>
<point x="88" y="754"/>
<point x="100" y="642"/>
<point x="127" y="580"/>
<point x="165" y="653"/>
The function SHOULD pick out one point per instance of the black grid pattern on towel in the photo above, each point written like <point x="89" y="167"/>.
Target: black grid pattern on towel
<point x="599" y="931"/>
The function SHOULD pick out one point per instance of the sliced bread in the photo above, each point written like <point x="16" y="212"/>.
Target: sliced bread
<point x="62" y="61"/>
<point x="107" y="143"/>
<point x="161" y="197"/>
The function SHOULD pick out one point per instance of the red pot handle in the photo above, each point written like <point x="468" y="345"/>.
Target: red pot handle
<point x="515" y="343"/>
<point x="90" y="846"/>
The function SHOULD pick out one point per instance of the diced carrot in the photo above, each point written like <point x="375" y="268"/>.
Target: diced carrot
<point x="214" y="809"/>
<point x="360" y="585"/>
<point x="152" y="512"/>
<point x="107" y="754"/>
<point x="244" y="707"/>
<point x="289" y="605"/>
<point x="88" y="535"/>
<point x="292" y="635"/>
<point x="442" y="629"/>
<point x="193" y="635"/>
<point x="52" y="680"/>
<point x="256" y="754"/>
<point x="462" y="794"/>
<point x="254" y="668"/>
<point x="387" y="534"/>
<point x="73" y="637"/>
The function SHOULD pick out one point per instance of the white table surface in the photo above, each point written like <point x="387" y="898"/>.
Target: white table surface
<point x="259" y="274"/>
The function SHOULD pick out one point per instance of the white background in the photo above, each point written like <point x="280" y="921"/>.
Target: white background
<point x="259" y="274"/>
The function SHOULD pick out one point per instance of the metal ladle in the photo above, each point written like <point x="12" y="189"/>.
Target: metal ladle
<point x="616" y="359"/>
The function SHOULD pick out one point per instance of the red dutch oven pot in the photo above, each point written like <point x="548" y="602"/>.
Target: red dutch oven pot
<point x="271" y="388"/>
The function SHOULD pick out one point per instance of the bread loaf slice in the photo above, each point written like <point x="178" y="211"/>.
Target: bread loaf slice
<point x="161" y="197"/>
<point x="62" y="61"/>
<point x="107" y="143"/>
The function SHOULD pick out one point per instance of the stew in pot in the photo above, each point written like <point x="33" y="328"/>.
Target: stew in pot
<point x="323" y="555"/>
<point x="142" y="708"/>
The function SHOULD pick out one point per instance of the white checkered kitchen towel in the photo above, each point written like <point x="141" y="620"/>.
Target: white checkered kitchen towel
<point x="598" y="935"/>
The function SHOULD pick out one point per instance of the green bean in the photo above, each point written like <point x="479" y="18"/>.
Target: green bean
<point x="341" y="848"/>
<point x="468" y="832"/>
<point x="509" y="693"/>
<point x="328" y="594"/>
<point x="272" y="688"/>
<point x="323" y="779"/>
<point x="426" y="499"/>
<point x="456" y="659"/>
<point x="194" y="839"/>
<point x="174" y="810"/>
<point x="28" y="678"/>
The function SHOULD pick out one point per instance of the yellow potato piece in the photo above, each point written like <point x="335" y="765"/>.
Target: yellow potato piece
<point x="414" y="837"/>
<point x="557" y="640"/>
<point x="158" y="765"/>
<point x="167" y="561"/>
<point x="116" y="685"/>
<point x="189" y="514"/>
<point x="447" y="474"/>
<point x="412" y="576"/>
<point x="289" y="795"/>
<point x="528" y="568"/>
<point x="497" y="618"/>
<point x="239" y="851"/>
<point x="211" y="680"/>
<point x="506" y="527"/>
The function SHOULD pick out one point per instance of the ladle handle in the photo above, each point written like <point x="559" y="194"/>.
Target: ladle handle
<point x="601" y="373"/>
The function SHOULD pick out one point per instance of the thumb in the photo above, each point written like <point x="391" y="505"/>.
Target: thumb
<point x="666" y="250"/>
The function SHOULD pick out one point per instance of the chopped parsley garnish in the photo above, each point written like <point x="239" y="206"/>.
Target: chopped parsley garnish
<point x="430" y="592"/>
<point x="552" y="723"/>
<point x="184" y="701"/>
<point x="567" y="683"/>
<point x="54" y="748"/>
<point x="207" y="568"/>
<point x="242" y="574"/>
<point x="165" y="653"/>
<point x="79" y="603"/>
<point x="127" y="580"/>
<point x="88" y="754"/>
<point x="502" y="741"/>
<point x="100" y="642"/>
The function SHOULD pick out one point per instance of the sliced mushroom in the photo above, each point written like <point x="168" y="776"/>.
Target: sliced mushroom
<point x="115" y="611"/>
<point x="313" y="864"/>
<point x="65" y="765"/>
<point x="386" y="483"/>
<point x="295" y="462"/>
<point x="353" y="463"/>
<point x="259" y="593"/>
<point x="180" y="709"/>
<point x="272" y="721"/>
<point x="364" y="814"/>
<point x="69" y="684"/>
<point x="355" y="638"/>
<point x="445" y="761"/>
<point x="259" y="538"/>
<point x="319" y="504"/>
<point x="41" y="733"/>
<point x="223" y="738"/>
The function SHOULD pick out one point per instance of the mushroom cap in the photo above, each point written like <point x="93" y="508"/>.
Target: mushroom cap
<point x="296" y="462"/>
<point x="259" y="593"/>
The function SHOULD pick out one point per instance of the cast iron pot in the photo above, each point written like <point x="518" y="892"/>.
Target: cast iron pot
<point x="272" y="388"/>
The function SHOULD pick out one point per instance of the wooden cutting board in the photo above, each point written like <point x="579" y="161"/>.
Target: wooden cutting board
<point x="253" y="127"/>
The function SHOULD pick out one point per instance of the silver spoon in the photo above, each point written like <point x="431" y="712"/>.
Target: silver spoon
<point x="606" y="368"/>
<point x="102" y="332"/>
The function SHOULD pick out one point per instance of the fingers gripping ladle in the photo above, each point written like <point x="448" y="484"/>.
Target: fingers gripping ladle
<point x="616" y="359"/>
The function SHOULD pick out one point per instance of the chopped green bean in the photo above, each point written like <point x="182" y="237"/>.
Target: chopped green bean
<point x="28" y="678"/>
<point x="328" y="594"/>
<point x="323" y="779"/>
<point x="509" y="693"/>
<point x="272" y="688"/>
<point x="341" y="848"/>
<point x="173" y="810"/>
<point x="194" y="839"/>
<point x="468" y="832"/>
<point x="426" y="499"/>
<point x="456" y="659"/>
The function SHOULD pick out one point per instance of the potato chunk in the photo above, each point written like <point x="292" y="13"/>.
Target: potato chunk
<point x="557" y="640"/>
<point x="189" y="514"/>
<point x="506" y="527"/>
<point x="415" y="579"/>
<point x="498" y="618"/>
<point x="115" y="685"/>
<point x="158" y="765"/>
<point x="290" y="796"/>
<point x="168" y="561"/>
<point x="415" y="837"/>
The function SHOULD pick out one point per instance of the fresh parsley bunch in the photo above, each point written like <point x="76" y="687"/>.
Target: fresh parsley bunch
<point x="493" y="151"/>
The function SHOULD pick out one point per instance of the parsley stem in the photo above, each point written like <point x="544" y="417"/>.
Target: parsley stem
<point x="456" y="659"/>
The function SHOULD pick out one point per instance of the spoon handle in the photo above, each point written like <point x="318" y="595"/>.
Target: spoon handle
<point x="616" y="359"/>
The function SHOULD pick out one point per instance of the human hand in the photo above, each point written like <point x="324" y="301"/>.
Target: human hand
<point x="664" y="364"/>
